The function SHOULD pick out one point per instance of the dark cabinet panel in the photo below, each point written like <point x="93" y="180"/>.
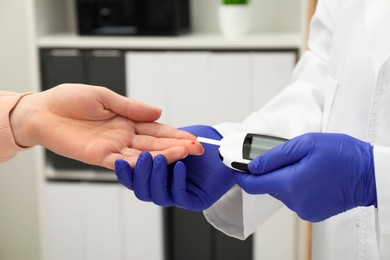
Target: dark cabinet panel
<point x="228" y="248"/>
<point x="102" y="68"/>
<point x="96" y="67"/>
<point x="62" y="66"/>
<point x="189" y="236"/>
<point x="106" y="68"/>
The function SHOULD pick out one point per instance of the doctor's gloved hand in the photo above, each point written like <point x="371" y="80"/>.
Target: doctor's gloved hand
<point x="194" y="183"/>
<point x="317" y="175"/>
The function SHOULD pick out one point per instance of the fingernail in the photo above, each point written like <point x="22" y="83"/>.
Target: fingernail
<point x="185" y="156"/>
<point x="202" y="151"/>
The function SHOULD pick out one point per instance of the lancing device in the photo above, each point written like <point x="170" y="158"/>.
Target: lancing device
<point x="238" y="149"/>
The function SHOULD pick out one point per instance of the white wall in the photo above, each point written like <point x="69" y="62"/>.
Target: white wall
<point x="19" y="211"/>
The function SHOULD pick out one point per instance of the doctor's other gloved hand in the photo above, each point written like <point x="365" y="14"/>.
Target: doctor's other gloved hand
<point x="194" y="183"/>
<point x="317" y="175"/>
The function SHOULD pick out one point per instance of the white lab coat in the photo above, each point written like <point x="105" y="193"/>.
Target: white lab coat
<point x="341" y="85"/>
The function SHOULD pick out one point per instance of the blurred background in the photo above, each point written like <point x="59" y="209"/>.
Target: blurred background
<point x="159" y="52"/>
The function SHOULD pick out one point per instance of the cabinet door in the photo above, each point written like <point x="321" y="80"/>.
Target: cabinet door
<point x="142" y="228"/>
<point x="228" y="248"/>
<point x="83" y="221"/>
<point x="146" y="74"/>
<point x="101" y="221"/>
<point x="96" y="67"/>
<point x="106" y="68"/>
<point x="192" y="87"/>
<point x="188" y="235"/>
<point x="65" y="234"/>
<point x="207" y="87"/>
<point x="62" y="66"/>
<point x="278" y="237"/>
<point x="272" y="71"/>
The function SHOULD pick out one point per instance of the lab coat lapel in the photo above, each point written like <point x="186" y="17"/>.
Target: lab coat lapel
<point x="378" y="28"/>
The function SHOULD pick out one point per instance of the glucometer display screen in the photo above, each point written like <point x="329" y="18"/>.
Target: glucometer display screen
<point x="255" y="145"/>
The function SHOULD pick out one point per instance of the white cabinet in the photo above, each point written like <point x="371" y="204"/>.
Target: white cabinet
<point x="64" y="222"/>
<point x="92" y="221"/>
<point x="271" y="72"/>
<point x="142" y="228"/>
<point x="190" y="87"/>
<point x="207" y="87"/>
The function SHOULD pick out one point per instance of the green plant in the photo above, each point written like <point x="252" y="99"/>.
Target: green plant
<point x="235" y="2"/>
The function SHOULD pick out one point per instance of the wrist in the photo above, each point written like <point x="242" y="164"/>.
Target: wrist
<point x="370" y="179"/>
<point x="21" y="117"/>
<point x="365" y="194"/>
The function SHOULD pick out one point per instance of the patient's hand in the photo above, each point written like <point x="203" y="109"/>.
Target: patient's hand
<point x="96" y="126"/>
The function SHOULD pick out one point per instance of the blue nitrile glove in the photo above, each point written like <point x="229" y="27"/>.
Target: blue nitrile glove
<point x="317" y="175"/>
<point x="194" y="183"/>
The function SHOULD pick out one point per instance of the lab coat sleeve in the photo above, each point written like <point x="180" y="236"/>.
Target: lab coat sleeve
<point x="296" y="110"/>
<point x="382" y="178"/>
<point x="8" y="146"/>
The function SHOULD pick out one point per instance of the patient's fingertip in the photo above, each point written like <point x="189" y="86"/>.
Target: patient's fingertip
<point x="201" y="149"/>
<point x="182" y="151"/>
<point x="185" y="155"/>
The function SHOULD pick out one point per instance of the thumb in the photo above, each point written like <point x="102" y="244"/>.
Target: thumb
<point x="282" y="155"/>
<point x="273" y="182"/>
<point x="129" y="108"/>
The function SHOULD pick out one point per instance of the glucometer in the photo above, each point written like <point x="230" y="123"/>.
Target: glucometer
<point x="238" y="149"/>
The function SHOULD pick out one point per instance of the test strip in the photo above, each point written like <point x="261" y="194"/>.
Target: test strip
<point x="208" y="141"/>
